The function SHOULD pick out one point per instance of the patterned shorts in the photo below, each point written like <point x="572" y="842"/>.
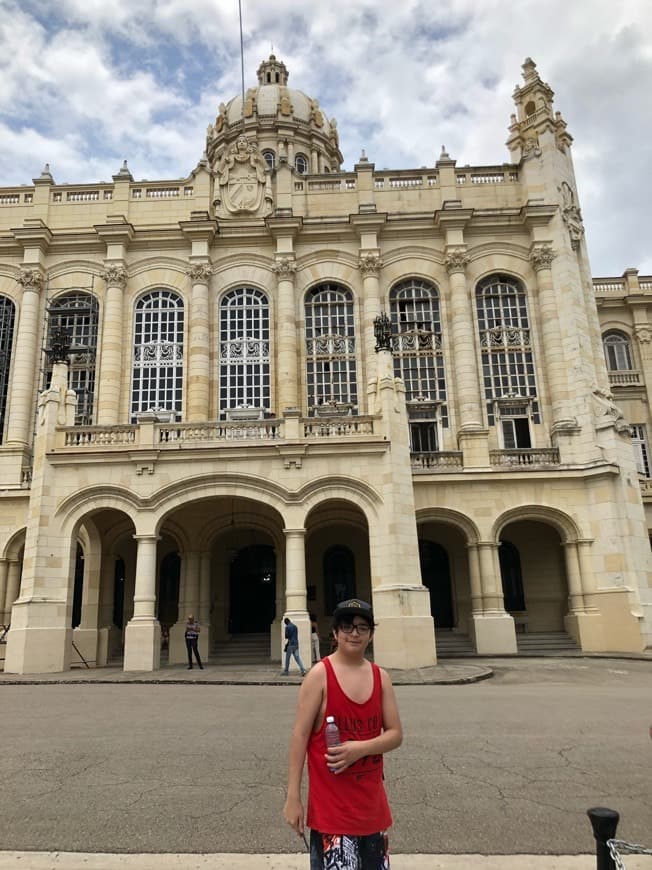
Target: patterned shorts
<point x="339" y="852"/>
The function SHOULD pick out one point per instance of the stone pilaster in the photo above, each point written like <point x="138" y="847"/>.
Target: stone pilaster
<point x="199" y="345"/>
<point x="108" y="386"/>
<point x="143" y="631"/>
<point x="21" y="396"/>
<point x="493" y="629"/>
<point x="286" y="338"/>
<point x="563" y="421"/>
<point x="370" y="264"/>
<point x="295" y="589"/>
<point x="471" y="434"/>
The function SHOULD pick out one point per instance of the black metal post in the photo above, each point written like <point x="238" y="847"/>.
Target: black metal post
<point x="604" y="823"/>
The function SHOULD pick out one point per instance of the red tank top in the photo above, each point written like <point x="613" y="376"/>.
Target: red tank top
<point x="352" y="802"/>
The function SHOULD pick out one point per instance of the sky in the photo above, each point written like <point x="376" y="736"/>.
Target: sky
<point x="86" y="84"/>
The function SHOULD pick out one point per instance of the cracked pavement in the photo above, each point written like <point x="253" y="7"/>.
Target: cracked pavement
<point x="503" y="766"/>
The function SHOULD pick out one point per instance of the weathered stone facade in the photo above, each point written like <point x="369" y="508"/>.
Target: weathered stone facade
<point x="201" y="411"/>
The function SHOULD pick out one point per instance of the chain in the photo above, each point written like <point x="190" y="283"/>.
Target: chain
<point x="616" y="847"/>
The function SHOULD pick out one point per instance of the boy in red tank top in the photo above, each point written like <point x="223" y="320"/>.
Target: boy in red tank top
<point x="348" y="814"/>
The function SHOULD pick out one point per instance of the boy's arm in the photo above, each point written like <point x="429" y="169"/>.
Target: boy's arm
<point x="341" y="757"/>
<point x="311" y="694"/>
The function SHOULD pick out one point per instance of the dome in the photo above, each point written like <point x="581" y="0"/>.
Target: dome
<point x="282" y="121"/>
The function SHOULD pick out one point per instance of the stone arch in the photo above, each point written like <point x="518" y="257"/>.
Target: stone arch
<point x="329" y="264"/>
<point x="15" y="544"/>
<point x="82" y="268"/>
<point x="358" y="492"/>
<point x="453" y="518"/>
<point x="566" y="526"/>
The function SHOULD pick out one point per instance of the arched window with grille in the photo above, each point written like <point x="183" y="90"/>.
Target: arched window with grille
<point x="508" y="369"/>
<point x="77" y="312"/>
<point x="419" y="360"/>
<point x="617" y="351"/>
<point x="330" y="350"/>
<point x="301" y="164"/>
<point x="244" y="351"/>
<point x="157" y="379"/>
<point x="7" y="322"/>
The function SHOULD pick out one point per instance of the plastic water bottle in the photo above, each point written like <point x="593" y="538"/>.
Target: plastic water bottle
<point x="332" y="734"/>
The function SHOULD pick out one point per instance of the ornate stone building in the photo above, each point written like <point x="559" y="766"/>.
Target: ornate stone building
<point x="274" y="384"/>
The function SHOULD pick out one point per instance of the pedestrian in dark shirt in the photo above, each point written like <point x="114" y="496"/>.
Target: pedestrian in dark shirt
<point x="292" y="647"/>
<point x="192" y="636"/>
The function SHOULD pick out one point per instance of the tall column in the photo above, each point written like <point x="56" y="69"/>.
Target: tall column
<point x="199" y="345"/>
<point x="541" y="257"/>
<point x="574" y="578"/>
<point x="296" y="603"/>
<point x="286" y="336"/>
<point x="477" y="600"/>
<point x="4" y="570"/>
<point x="204" y="608"/>
<point x="370" y="265"/>
<point x="13" y="586"/>
<point x="494" y="629"/>
<point x="465" y="341"/>
<point x="113" y="342"/>
<point x="24" y="365"/>
<point x="143" y="632"/>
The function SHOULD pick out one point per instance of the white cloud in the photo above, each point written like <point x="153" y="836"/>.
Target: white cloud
<point x="93" y="82"/>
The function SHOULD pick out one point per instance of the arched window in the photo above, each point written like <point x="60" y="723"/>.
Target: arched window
<point x="301" y="164"/>
<point x="157" y="381"/>
<point x="511" y="576"/>
<point x="507" y="359"/>
<point x="77" y="312"/>
<point x="330" y="349"/>
<point x="418" y="359"/>
<point x="7" y="320"/>
<point x="270" y="158"/>
<point x="244" y="351"/>
<point x="339" y="576"/>
<point x="617" y="351"/>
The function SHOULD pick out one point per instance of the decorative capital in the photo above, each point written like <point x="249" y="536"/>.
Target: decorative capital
<point x="541" y="257"/>
<point x="643" y="334"/>
<point x="370" y="264"/>
<point x="199" y="273"/>
<point x="456" y="261"/>
<point x="284" y="268"/>
<point x="31" y="279"/>
<point x="115" y="276"/>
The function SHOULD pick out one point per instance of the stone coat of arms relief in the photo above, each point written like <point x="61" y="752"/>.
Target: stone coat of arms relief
<point x="244" y="184"/>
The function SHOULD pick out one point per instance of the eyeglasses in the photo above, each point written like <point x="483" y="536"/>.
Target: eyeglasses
<point x="361" y="627"/>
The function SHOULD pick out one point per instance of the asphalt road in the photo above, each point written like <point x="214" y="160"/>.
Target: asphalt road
<point x="505" y="766"/>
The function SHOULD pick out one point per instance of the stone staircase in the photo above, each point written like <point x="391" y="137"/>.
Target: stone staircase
<point x="241" y="649"/>
<point x="546" y="643"/>
<point x="451" y="644"/>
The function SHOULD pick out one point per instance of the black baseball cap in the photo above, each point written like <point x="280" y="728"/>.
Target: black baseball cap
<point x="353" y="607"/>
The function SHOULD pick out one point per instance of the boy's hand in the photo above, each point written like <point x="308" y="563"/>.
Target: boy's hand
<point x="293" y="814"/>
<point x="338" y="758"/>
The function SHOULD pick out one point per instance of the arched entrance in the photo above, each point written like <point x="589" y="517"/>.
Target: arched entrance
<point x="339" y="576"/>
<point x="436" y="577"/>
<point x="252" y="589"/>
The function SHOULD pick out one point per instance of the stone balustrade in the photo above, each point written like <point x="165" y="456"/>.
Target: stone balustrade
<point x="337" y="427"/>
<point x="441" y="460"/>
<point x="252" y="430"/>
<point x="524" y="458"/>
<point x="629" y="378"/>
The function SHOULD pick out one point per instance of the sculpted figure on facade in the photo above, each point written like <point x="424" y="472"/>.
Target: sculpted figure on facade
<point x="284" y="268"/>
<point x="541" y="257"/>
<point x="607" y="413"/>
<point x="115" y="276"/>
<point x="571" y="215"/>
<point x="370" y="263"/>
<point x="243" y="181"/>
<point x="31" y="278"/>
<point x="456" y="261"/>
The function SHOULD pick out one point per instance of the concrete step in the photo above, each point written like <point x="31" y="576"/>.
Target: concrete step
<point x="451" y="644"/>
<point x="241" y="649"/>
<point x="546" y="642"/>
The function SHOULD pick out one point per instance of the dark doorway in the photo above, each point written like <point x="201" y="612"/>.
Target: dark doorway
<point x="511" y="576"/>
<point x="436" y="577"/>
<point x="252" y="590"/>
<point x="79" y="588"/>
<point x="119" y="572"/>
<point x="339" y="576"/>
<point x="168" y="590"/>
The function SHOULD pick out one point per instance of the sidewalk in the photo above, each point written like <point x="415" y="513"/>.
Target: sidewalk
<point x="91" y="861"/>
<point x="245" y="675"/>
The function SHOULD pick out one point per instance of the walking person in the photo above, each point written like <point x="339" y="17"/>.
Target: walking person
<point x="314" y="638"/>
<point x="348" y="813"/>
<point x="192" y="637"/>
<point x="292" y="647"/>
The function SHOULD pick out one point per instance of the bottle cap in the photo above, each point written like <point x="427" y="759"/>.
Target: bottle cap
<point x="330" y="719"/>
